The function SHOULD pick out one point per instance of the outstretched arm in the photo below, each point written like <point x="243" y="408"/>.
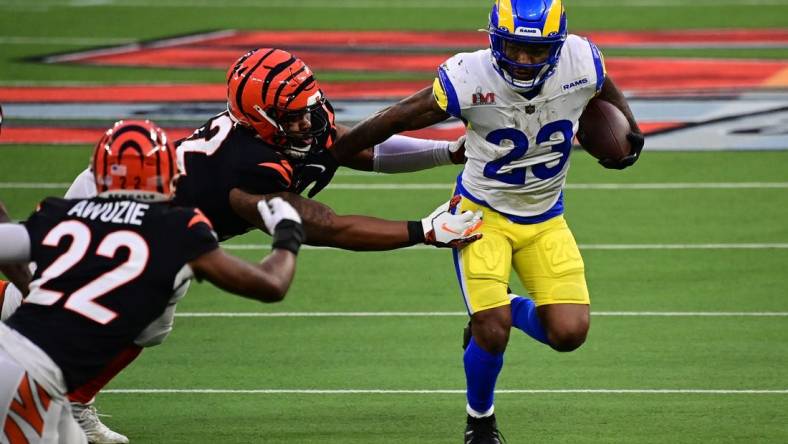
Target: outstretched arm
<point x="363" y="233"/>
<point x="415" y="112"/>
<point x="397" y="154"/>
<point x="401" y="154"/>
<point x="353" y="147"/>
<point x="269" y="280"/>
<point x="324" y="227"/>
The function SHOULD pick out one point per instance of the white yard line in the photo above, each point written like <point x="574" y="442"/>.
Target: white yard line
<point x="431" y="314"/>
<point x="77" y="41"/>
<point x="174" y="41"/>
<point x="345" y="4"/>
<point x="740" y="246"/>
<point x="725" y="246"/>
<point x="447" y="186"/>
<point x="448" y="391"/>
<point x="34" y="185"/>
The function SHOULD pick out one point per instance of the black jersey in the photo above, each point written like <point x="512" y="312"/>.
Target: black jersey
<point x="221" y="156"/>
<point x="105" y="269"/>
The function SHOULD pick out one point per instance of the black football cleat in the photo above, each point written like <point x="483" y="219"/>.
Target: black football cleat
<point x="483" y="431"/>
<point x="466" y="336"/>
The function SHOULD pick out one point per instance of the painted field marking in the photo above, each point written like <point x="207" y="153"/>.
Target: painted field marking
<point x="448" y="391"/>
<point x="77" y="41"/>
<point x="433" y="314"/>
<point x="448" y="185"/>
<point x="346" y="4"/>
<point x="34" y="185"/>
<point x="589" y="247"/>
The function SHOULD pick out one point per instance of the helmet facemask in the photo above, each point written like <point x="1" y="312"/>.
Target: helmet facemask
<point x="297" y="129"/>
<point x="507" y="52"/>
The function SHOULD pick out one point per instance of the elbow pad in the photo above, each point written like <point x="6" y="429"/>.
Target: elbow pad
<point x="16" y="244"/>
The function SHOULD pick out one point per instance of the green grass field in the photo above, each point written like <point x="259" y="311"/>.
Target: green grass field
<point x="657" y="366"/>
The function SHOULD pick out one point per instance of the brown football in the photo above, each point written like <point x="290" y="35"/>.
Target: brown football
<point x="603" y="131"/>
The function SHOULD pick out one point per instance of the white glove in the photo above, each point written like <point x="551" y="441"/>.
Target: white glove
<point x="444" y="229"/>
<point x="276" y="210"/>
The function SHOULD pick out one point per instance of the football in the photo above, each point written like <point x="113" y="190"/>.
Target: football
<point x="603" y="131"/>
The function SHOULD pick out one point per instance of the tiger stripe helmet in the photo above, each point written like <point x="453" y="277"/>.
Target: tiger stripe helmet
<point x="267" y="86"/>
<point x="527" y="22"/>
<point x="135" y="158"/>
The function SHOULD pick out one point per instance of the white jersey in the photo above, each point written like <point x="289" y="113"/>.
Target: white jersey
<point x="518" y="148"/>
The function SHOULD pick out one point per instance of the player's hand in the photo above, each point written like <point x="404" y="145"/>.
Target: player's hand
<point x="444" y="229"/>
<point x="636" y="141"/>
<point x="457" y="151"/>
<point x="276" y="210"/>
<point x="319" y="168"/>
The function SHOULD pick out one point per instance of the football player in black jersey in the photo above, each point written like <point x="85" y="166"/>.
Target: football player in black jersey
<point x="276" y="132"/>
<point x="107" y="268"/>
<point x="275" y="135"/>
<point x="149" y="243"/>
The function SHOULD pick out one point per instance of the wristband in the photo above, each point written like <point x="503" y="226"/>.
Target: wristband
<point x="415" y="232"/>
<point x="288" y="235"/>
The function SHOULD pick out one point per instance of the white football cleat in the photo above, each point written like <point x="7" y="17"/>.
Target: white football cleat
<point x="97" y="433"/>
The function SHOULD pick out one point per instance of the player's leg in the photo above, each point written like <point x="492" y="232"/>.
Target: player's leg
<point x="86" y="416"/>
<point x="69" y="430"/>
<point x="29" y="413"/>
<point x="525" y="317"/>
<point x="483" y="272"/>
<point x="10" y="298"/>
<point x="552" y="270"/>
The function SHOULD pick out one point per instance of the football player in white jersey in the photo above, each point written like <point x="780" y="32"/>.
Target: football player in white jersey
<point x="520" y="100"/>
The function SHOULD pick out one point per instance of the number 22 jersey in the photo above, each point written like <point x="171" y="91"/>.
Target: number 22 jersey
<point x="105" y="269"/>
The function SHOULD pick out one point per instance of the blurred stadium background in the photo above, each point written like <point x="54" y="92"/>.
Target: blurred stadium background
<point x="686" y="253"/>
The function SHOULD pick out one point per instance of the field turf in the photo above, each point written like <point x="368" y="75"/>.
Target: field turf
<point x="689" y="336"/>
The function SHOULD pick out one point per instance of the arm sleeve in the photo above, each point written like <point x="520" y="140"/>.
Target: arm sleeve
<point x="15" y="242"/>
<point x="400" y="154"/>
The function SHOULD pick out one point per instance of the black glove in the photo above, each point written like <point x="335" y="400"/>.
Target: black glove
<point x="636" y="140"/>
<point x="319" y="168"/>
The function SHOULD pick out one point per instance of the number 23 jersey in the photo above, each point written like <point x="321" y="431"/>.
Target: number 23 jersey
<point x="518" y="147"/>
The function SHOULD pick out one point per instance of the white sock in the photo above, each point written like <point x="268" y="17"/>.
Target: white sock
<point x="473" y="413"/>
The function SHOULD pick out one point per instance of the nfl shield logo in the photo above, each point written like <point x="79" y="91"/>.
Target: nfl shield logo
<point x="529" y="109"/>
